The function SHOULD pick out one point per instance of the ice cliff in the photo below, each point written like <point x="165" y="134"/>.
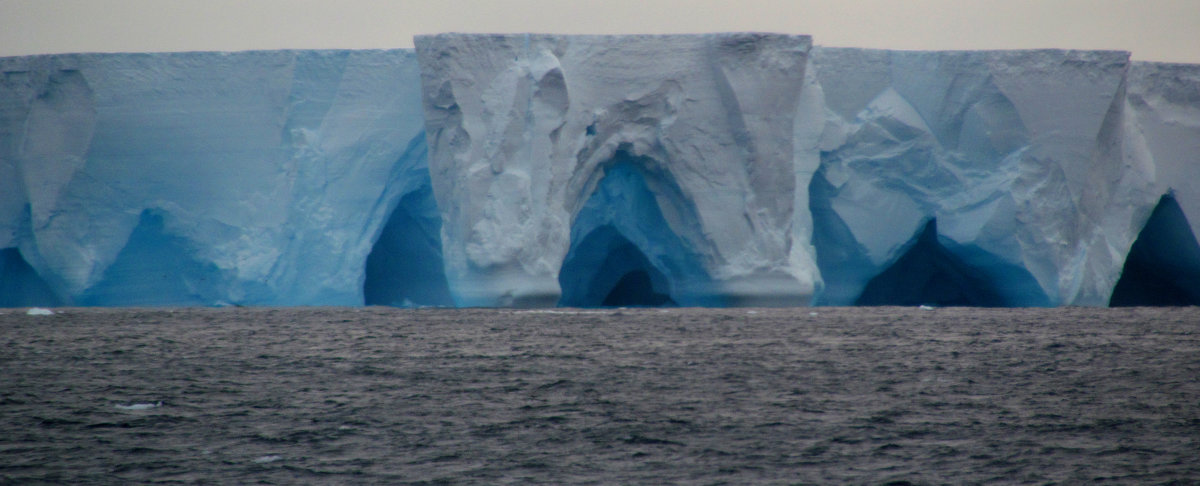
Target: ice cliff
<point x="1013" y="161"/>
<point x="526" y="133"/>
<point x="254" y="178"/>
<point x="724" y="169"/>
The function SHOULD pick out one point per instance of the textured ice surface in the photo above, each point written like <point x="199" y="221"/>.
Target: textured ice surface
<point x="524" y="129"/>
<point x="206" y="178"/>
<point x="1163" y="266"/>
<point x="725" y="169"/>
<point x="1019" y="157"/>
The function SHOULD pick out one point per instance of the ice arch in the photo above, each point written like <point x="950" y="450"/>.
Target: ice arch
<point x="1163" y="265"/>
<point x="156" y="268"/>
<point x="624" y="253"/>
<point x="405" y="266"/>
<point x="930" y="273"/>
<point x="20" y="284"/>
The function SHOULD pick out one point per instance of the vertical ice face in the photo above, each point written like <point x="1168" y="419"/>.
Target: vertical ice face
<point x="1018" y="155"/>
<point x="1163" y="266"/>
<point x="716" y="169"/>
<point x="523" y="129"/>
<point x="206" y="178"/>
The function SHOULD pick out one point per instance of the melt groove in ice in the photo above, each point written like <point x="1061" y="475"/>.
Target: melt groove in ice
<point x="533" y="170"/>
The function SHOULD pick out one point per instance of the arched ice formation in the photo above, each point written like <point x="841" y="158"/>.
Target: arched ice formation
<point x="623" y="251"/>
<point x="785" y="174"/>
<point x="1163" y="266"/>
<point x="523" y="128"/>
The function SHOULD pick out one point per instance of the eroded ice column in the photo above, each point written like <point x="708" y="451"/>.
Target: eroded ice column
<point x="1014" y="159"/>
<point x="524" y="128"/>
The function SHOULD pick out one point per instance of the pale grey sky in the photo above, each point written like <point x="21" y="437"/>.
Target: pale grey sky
<point x="1158" y="30"/>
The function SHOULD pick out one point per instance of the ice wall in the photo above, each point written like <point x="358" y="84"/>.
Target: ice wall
<point x="1163" y="266"/>
<point x="524" y="128"/>
<point x="1020" y="157"/>
<point x="724" y="169"/>
<point x="258" y="178"/>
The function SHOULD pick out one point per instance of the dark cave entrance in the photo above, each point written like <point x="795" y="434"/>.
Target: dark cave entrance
<point x="1163" y="265"/>
<point x="608" y="270"/>
<point x="405" y="267"/>
<point x="930" y="274"/>
<point x="623" y="252"/>
<point x="20" y="284"/>
<point x="636" y="289"/>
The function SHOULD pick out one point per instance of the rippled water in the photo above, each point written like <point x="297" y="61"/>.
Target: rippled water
<point x="648" y="396"/>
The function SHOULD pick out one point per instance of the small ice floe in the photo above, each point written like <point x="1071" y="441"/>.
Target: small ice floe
<point x="266" y="459"/>
<point x="814" y="314"/>
<point x="562" y="312"/>
<point x="140" y="406"/>
<point x="38" y="311"/>
<point x="926" y="307"/>
<point x="752" y="312"/>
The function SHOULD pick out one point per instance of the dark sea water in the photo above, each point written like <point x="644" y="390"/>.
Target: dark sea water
<point x="649" y="396"/>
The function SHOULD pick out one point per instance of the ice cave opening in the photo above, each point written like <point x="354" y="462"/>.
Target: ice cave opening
<point x="930" y="274"/>
<point x="608" y="270"/>
<point x="20" y="284"/>
<point x="623" y="252"/>
<point x="156" y="268"/>
<point x="405" y="267"/>
<point x="1163" y="265"/>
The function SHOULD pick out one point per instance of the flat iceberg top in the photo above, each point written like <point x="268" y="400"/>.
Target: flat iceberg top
<point x="611" y="37"/>
<point x="201" y="54"/>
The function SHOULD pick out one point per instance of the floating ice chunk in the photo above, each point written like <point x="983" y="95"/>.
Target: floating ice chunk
<point x="38" y="311"/>
<point x="266" y="459"/>
<point x="926" y="307"/>
<point x="140" y="406"/>
<point x="564" y="312"/>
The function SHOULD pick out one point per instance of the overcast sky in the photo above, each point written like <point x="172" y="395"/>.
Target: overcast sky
<point x="1157" y="30"/>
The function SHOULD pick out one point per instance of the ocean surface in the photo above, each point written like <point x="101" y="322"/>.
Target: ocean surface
<point x="873" y="395"/>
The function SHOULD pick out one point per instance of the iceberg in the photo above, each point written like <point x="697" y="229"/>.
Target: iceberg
<point x="1007" y="170"/>
<point x="1163" y="265"/>
<point x="535" y="170"/>
<point x="675" y="155"/>
<point x="252" y="178"/>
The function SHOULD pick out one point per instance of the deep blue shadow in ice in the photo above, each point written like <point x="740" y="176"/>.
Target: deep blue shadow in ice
<point x="624" y="253"/>
<point x="156" y="268"/>
<point x="842" y="260"/>
<point x="606" y="269"/>
<point x="1163" y="266"/>
<point x="405" y="267"/>
<point x="20" y="284"/>
<point x="932" y="270"/>
<point x="928" y="273"/>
